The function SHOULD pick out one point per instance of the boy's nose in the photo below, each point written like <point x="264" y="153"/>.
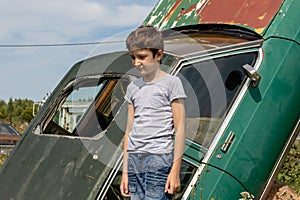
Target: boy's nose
<point x="136" y="62"/>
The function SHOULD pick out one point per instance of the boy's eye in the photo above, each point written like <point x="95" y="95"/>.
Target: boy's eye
<point x="142" y="57"/>
<point x="138" y="56"/>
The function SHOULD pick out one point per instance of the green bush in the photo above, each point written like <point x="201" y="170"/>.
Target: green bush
<point x="2" y="159"/>
<point x="290" y="171"/>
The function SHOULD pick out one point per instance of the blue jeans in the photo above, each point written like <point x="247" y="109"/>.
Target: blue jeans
<point x="147" y="175"/>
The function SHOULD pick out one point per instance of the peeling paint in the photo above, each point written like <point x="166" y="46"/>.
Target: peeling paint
<point x="253" y="14"/>
<point x="259" y="30"/>
<point x="262" y="17"/>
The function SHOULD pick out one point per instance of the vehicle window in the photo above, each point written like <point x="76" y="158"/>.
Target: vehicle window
<point x="211" y="87"/>
<point x="87" y="107"/>
<point x="7" y="129"/>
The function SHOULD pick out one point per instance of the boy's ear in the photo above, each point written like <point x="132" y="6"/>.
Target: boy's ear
<point x="159" y="55"/>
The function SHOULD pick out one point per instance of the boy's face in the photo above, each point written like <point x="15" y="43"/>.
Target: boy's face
<point x="144" y="61"/>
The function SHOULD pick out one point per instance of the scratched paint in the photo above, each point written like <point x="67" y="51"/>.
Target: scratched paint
<point x="253" y="14"/>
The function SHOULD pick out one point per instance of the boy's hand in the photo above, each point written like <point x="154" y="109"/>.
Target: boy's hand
<point x="124" y="186"/>
<point x="173" y="182"/>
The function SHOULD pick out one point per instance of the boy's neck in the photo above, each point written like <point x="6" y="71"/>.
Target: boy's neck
<point x="154" y="76"/>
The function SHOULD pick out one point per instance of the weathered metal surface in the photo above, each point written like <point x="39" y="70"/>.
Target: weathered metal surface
<point x="262" y="124"/>
<point x="286" y="23"/>
<point x="254" y="14"/>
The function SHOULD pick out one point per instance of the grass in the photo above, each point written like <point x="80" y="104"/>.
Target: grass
<point x="290" y="171"/>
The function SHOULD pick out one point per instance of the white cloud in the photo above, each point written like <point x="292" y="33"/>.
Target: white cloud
<point x="33" y="72"/>
<point x="56" y="20"/>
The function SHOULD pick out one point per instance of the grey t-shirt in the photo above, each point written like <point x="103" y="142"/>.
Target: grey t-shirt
<point x="153" y="120"/>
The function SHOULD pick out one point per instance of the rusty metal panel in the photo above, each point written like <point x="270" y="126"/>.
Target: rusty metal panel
<point x="253" y="14"/>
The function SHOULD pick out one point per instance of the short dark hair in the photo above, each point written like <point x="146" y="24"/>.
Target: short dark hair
<point x="145" y="37"/>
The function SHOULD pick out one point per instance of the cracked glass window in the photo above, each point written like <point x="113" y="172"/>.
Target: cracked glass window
<point x="87" y="106"/>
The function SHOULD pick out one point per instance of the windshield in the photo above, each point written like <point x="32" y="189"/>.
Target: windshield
<point x="7" y="129"/>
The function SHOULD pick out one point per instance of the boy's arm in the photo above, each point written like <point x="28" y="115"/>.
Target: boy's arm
<point x="173" y="181"/>
<point x="124" y="183"/>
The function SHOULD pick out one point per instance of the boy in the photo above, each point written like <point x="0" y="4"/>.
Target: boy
<point x="151" y="166"/>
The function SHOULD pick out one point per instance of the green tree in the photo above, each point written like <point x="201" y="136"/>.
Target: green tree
<point x="16" y="112"/>
<point x="27" y="115"/>
<point x="3" y="110"/>
<point x="10" y="109"/>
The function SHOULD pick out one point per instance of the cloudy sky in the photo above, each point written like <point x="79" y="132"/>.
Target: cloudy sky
<point x="30" y="71"/>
